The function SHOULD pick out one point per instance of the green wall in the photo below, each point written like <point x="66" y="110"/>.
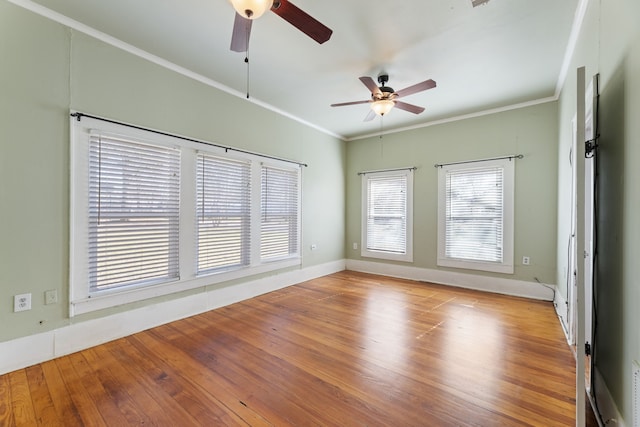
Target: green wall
<point x="531" y="131"/>
<point x="48" y="69"/>
<point x="609" y="44"/>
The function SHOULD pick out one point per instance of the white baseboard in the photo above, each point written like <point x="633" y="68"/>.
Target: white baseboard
<point x="498" y="285"/>
<point x="26" y="351"/>
<point x="562" y="310"/>
<point x="606" y="405"/>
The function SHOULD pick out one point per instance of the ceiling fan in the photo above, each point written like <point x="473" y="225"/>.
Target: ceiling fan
<point x="248" y="10"/>
<point x="384" y="98"/>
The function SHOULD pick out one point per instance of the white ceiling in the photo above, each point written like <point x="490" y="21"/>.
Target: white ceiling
<point x="503" y="53"/>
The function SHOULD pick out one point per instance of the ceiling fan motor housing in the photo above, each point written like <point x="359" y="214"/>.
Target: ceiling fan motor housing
<point x="386" y="90"/>
<point x="383" y="78"/>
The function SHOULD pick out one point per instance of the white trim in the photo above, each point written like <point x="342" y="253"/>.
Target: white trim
<point x="607" y="406"/>
<point x="89" y="304"/>
<point x="578" y="19"/>
<point x="79" y="26"/>
<point x="497" y="285"/>
<point x="26" y="351"/>
<point x="562" y="310"/>
<point x="461" y="117"/>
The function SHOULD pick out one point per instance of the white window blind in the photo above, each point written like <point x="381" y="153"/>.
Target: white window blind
<point x="279" y="221"/>
<point x="223" y="212"/>
<point x="387" y="214"/>
<point x="474" y="214"/>
<point x="133" y="213"/>
<point x="387" y="222"/>
<point x="153" y="214"/>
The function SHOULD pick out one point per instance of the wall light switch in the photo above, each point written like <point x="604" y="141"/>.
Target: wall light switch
<point x="51" y="297"/>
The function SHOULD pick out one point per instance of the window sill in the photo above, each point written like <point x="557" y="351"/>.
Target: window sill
<point x="108" y="300"/>
<point x="407" y="257"/>
<point x="476" y="265"/>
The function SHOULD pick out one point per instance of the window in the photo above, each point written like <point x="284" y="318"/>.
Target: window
<point x="387" y="208"/>
<point x="153" y="214"/>
<point x="475" y="215"/>
<point x="223" y="213"/>
<point x="279" y="213"/>
<point x="133" y="213"/>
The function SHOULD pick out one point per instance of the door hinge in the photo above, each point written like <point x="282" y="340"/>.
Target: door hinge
<point x="587" y="349"/>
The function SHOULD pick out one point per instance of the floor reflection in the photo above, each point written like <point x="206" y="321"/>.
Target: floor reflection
<point x="385" y="335"/>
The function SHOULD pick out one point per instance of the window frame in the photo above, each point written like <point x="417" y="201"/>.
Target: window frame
<point x="293" y="244"/>
<point x="80" y="299"/>
<point x="243" y="211"/>
<point x="407" y="255"/>
<point x="508" y="185"/>
<point x="116" y="215"/>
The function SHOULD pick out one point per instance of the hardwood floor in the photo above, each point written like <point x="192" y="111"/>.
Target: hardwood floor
<point x="348" y="349"/>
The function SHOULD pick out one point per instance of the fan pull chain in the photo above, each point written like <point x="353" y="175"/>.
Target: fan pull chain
<point x="246" y="61"/>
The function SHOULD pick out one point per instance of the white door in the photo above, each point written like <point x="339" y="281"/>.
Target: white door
<point x="579" y="249"/>
<point x="589" y="206"/>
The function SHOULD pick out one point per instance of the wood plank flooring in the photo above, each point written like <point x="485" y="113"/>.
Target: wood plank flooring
<point x="349" y="349"/>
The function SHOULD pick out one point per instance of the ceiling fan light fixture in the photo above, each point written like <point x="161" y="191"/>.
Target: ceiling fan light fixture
<point x="251" y="9"/>
<point x="382" y="106"/>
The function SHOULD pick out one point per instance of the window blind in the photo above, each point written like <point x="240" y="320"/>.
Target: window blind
<point x="387" y="213"/>
<point x="474" y="214"/>
<point x="223" y="212"/>
<point x="279" y="226"/>
<point x="133" y="213"/>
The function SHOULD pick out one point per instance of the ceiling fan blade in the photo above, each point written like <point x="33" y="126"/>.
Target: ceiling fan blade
<point x="419" y="87"/>
<point x="302" y="21"/>
<point x="371" y="85"/>
<point x="241" y="32"/>
<point x="370" y="116"/>
<point x="409" y="107"/>
<point x="342" y="104"/>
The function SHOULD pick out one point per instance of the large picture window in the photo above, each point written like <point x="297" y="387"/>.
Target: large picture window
<point x="475" y="215"/>
<point x="153" y="214"/>
<point x="387" y="215"/>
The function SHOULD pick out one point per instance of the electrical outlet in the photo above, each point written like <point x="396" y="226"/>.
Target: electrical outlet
<point x="525" y="260"/>
<point x="355" y="246"/>
<point x="22" y="302"/>
<point x="51" y="297"/>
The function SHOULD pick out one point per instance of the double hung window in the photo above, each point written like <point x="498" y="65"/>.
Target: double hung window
<point x="475" y="215"/>
<point x="279" y="213"/>
<point x="223" y="212"/>
<point x="387" y="215"/>
<point x="133" y="213"/>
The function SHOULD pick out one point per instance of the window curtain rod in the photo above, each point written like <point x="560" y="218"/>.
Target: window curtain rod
<point x="79" y="117"/>
<point x="514" y="156"/>
<point x="412" y="168"/>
